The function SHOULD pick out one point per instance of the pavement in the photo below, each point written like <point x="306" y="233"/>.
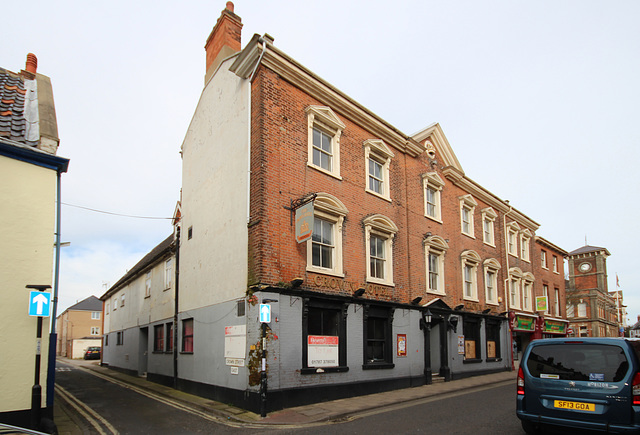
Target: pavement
<point x="308" y="415"/>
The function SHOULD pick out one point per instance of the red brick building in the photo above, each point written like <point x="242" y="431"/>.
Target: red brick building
<point x="410" y="269"/>
<point x="591" y="309"/>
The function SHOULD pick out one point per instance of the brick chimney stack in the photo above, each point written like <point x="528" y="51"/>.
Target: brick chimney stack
<point x="31" y="67"/>
<point x="224" y="39"/>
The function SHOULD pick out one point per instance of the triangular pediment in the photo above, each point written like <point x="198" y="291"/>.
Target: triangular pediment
<point x="437" y="304"/>
<point x="433" y="137"/>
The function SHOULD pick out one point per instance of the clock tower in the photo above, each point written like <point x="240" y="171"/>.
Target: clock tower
<point x="591" y="311"/>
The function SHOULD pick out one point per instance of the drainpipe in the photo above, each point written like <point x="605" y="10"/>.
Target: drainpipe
<point x="53" y="337"/>
<point x="507" y="281"/>
<point x="175" y="311"/>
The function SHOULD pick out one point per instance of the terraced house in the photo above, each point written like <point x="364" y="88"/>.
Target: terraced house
<point x="30" y="183"/>
<point x="381" y="263"/>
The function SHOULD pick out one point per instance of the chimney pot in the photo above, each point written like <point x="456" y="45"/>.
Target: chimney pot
<point x="32" y="63"/>
<point x="230" y="6"/>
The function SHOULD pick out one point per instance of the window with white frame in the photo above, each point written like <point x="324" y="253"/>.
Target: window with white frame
<point x="147" y="285"/>
<point x="543" y="259"/>
<point x="469" y="263"/>
<point x="525" y="246"/>
<point x="168" y="273"/>
<point x="377" y="158"/>
<point x="115" y="303"/>
<point x="488" y="228"/>
<point x="325" y="129"/>
<point x="556" y="302"/>
<point x="545" y="293"/>
<point x="324" y="249"/>
<point x="122" y="300"/>
<point x="435" y="249"/>
<point x="95" y="330"/>
<point x="432" y="184"/>
<point x="467" y="209"/>
<point x="379" y="233"/>
<point x="527" y="292"/>
<point x="555" y="264"/>
<point x="515" y="280"/>
<point x="491" y="268"/>
<point x="512" y="238"/>
<point x="95" y="315"/>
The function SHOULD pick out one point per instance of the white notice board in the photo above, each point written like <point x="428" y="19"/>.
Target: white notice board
<point x="235" y="341"/>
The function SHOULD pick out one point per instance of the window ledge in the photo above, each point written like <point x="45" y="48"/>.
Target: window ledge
<point x="494" y="359"/>
<point x="472" y="361"/>
<point x="493" y="245"/>
<point x="433" y="292"/>
<point x="324" y="272"/>
<point x="470" y="299"/>
<point x="435" y="219"/>
<point x="324" y="171"/>
<point x="185" y="353"/>
<point x="471" y="236"/>
<point x="321" y="370"/>
<point x="374" y="193"/>
<point x="378" y="366"/>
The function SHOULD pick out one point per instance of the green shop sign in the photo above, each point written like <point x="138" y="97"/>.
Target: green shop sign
<point x="524" y="323"/>
<point x="554" y="327"/>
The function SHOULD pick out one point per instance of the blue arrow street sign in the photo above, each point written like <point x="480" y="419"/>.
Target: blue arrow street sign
<point x="265" y="313"/>
<point x="39" y="304"/>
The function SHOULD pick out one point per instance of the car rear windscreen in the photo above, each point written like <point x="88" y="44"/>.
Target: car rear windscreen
<point x="578" y="362"/>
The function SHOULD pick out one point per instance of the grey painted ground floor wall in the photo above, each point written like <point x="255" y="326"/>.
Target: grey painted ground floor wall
<point x="317" y="348"/>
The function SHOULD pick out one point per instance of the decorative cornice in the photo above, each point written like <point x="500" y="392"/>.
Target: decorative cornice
<point x="290" y="70"/>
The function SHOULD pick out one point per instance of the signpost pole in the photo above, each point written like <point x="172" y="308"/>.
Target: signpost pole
<point x="36" y="390"/>
<point x="263" y="373"/>
<point x="265" y="317"/>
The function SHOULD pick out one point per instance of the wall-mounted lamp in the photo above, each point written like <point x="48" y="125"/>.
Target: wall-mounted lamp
<point x="459" y="307"/>
<point x="359" y="292"/>
<point x="504" y="313"/>
<point x="453" y="323"/>
<point x="487" y="311"/>
<point x="416" y="301"/>
<point x="428" y="316"/>
<point x="296" y="282"/>
<point x="266" y="301"/>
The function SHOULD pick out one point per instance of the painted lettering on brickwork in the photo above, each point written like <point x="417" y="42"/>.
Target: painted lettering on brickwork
<point x="332" y="283"/>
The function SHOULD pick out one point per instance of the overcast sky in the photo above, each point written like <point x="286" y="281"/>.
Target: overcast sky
<point x="539" y="100"/>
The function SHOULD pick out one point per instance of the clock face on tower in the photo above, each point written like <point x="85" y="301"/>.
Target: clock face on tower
<point x="584" y="267"/>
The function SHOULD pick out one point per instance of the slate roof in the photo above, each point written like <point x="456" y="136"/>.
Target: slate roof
<point x="92" y="303"/>
<point x="151" y="258"/>
<point x="587" y="248"/>
<point x="13" y="124"/>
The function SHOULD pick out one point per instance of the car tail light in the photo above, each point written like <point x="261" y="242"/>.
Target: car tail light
<point x="635" y="388"/>
<point x="521" y="383"/>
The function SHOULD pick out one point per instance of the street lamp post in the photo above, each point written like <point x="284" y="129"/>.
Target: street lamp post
<point x="425" y="325"/>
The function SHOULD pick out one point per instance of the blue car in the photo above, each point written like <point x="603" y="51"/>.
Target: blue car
<point x="580" y="383"/>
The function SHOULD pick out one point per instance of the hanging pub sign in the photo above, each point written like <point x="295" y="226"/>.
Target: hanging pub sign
<point x="542" y="304"/>
<point x="304" y="222"/>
